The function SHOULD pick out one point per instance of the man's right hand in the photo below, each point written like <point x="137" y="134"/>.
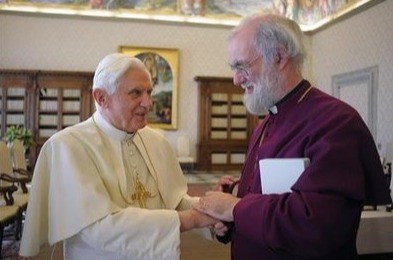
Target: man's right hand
<point x="191" y="218"/>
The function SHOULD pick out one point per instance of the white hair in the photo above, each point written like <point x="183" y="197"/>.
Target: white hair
<point x="111" y="69"/>
<point x="273" y="32"/>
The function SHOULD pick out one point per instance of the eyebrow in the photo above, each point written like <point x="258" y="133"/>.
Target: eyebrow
<point x="237" y="63"/>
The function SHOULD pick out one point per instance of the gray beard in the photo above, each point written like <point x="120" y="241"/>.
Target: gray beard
<point x="268" y="90"/>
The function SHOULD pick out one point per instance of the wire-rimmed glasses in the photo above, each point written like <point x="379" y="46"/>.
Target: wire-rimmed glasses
<point x="243" y="68"/>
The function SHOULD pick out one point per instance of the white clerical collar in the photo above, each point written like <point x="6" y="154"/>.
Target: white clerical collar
<point x="109" y="129"/>
<point x="273" y="110"/>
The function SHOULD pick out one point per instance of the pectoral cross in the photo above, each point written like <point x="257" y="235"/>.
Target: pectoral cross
<point x="141" y="194"/>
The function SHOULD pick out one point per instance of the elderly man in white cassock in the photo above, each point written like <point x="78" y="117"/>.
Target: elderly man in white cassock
<point x="111" y="187"/>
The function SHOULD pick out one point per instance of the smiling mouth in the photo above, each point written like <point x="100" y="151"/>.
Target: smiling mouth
<point x="141" y="114"/>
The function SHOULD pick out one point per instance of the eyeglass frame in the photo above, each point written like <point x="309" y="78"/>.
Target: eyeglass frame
<point x="243" y="68"/>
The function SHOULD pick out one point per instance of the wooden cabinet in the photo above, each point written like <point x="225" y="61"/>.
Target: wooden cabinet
<point x="14" y="100"/>
<point x="62" y="99"/>
<point x="44" y="101"/>
<point x="224" y="125"/>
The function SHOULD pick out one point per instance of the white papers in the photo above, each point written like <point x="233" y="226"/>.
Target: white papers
<point x="279" y="174"/>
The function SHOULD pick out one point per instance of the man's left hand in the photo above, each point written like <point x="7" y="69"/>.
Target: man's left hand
<point x="218" y="205"/>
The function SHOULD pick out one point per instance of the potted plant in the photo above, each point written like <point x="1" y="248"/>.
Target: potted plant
<point x="19" y="132"/>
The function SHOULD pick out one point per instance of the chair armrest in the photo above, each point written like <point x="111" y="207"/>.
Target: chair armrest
<point x="7" y="192"/>
<point x="22" y="180"/>
<point x="24" y="172"/>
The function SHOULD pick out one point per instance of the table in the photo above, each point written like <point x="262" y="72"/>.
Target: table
<point x="375" y="234"/>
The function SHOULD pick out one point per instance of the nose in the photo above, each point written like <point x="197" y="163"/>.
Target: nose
<point x="238" y="78"/>
<point x="147" y="101"/>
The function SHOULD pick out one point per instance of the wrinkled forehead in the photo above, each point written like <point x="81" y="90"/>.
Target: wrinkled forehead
<point x="136" y="77"/>
<point x="240" y="45"/>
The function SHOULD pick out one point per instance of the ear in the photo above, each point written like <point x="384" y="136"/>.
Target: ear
<point x="100" y="96"/>
<point x="282" y="57"/>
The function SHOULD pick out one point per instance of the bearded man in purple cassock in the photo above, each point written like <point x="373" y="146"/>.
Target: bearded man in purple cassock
<point x="319" y="217"/>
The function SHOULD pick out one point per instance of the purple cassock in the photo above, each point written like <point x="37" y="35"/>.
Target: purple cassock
<point x="319" y="219"/>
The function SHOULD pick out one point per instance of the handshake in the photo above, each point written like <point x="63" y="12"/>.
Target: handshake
<point x="214" y="210"/>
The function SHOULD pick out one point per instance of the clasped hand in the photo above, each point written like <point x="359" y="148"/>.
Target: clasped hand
<point x="218" y="204"/>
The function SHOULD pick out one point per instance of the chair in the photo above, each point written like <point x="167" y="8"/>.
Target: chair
<point x="18" y="157"/>
<point x="9" y="213"/>
<point x="18" y="177"/>
<point x="389" y="161"/>
<point x="183" y="153"/>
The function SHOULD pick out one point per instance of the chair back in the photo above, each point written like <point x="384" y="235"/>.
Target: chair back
<point x="18" y="155"/>
<point x="21" y="177"/>
<point x="5" y="159"/>
<point x="389" y="153"/>
<point x="5" y="164"/>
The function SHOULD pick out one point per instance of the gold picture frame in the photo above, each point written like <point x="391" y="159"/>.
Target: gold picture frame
<point x="163" y="66"/>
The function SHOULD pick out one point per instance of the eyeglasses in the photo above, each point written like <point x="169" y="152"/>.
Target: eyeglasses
<point x="243" y="68"/>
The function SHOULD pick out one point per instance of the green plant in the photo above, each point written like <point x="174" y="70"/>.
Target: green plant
<point x="19" y="132"/>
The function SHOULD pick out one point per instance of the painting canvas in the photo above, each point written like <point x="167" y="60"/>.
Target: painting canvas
<point x="163" y="67"/>
<point x="310" y="14"/>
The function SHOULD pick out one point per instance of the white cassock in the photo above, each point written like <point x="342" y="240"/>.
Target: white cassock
<point x="82" y="194"/>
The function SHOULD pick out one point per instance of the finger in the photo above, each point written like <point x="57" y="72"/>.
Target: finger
<point x="201" y="205"/>
<point x="227" y="181"/>
<point x="219" y="225"/>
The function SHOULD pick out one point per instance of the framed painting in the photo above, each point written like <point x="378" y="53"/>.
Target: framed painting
<point x="163" y="67"/>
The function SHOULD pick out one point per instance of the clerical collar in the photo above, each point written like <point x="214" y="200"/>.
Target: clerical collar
<point x="274" y="109"/>
<point x="109" y="129"/>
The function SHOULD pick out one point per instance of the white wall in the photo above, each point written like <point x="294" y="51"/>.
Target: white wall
<point x="77" y="44"/>
<point x="362" y="41"/>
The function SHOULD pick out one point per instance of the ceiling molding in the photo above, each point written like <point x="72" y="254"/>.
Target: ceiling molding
<point x="355" y="6"/>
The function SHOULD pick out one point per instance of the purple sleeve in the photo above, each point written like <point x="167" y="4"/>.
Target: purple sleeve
<point x="286" y="222"/>
<point x="323" y="210"/>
